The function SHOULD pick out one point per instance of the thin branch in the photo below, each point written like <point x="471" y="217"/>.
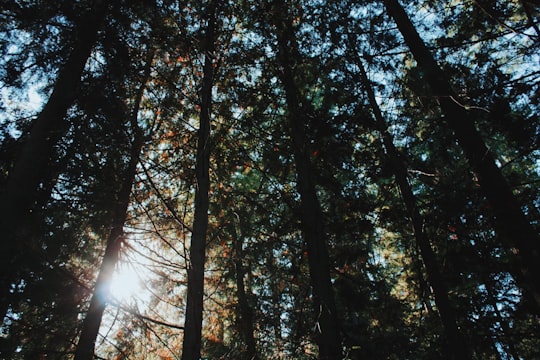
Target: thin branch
<point x="164" y="201"/>
<point x="144" y="317"/>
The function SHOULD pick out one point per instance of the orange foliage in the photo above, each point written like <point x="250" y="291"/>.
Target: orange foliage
<point x="164" y="354"/>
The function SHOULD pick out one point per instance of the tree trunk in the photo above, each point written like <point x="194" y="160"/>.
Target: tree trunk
<point x="31" y="168"/>
<point x="456" y="344"/>
<point x="510" y="221"/>
<point x="102" y="288"/>
<point x="191" y="349"/>
<point x="246" y="313"/>
<point x="275" y="314"/>
<point x="328" y="335"/>
<point x="100" y="297"/>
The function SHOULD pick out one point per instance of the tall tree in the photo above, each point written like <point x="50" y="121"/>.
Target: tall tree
<point x="191" y="349"/>
<point x="457" y="346"/>
<point x="101" y="294"/>
<point x="31" y="167"/>
<point x="510" y="219"/>
<point x="328" y="334"/>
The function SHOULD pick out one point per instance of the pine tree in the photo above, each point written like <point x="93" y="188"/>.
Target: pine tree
<point x="510" y="220"/>
<point x="328" y="337"/>
<point x="119" y="211"/>
<point x="31" y="168"/>
<point x="197" y="253"/>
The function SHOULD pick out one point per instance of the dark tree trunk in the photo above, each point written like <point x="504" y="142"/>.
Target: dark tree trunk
<point x="245" y="322"/>
<point x="456" y="344"/>
<point x="510" y="221"/>
<point x="31" y="169"/>
<point x="276" y="304"/>
<point x="328" y="335"/>
<point x="102" y="289"/>
<point x="191" y="349"/>
<point x="100" y="296"/>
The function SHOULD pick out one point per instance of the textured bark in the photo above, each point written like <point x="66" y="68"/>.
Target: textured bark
<point x="32" y="168"/>
<point x="510" y="221"/>
<point x="102" y="288"/>
<point x="457" y="347"/>
<point x="191" y="349"/>
<point x="328" y="335"/>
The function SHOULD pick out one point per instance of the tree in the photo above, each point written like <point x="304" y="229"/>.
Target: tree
<point x="101" y="294"/>
<point x="31" y="167"/>
<point x="245" y="311"/>
<point x="197" y="252"/>
<point x="510" y="220"/>
<point x="328" y="332"/>
<point x="457" y="346"/>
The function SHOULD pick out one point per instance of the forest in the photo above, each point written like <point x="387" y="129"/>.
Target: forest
<point x="272" y="179"/>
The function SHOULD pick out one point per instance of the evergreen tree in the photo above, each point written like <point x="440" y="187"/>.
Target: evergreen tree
<point x="191" y="348"/>
<point x="295" y="179"/>
<point x="31" y="167"/>
<point x="119" y="210"/>
<point x="328" y="332"/>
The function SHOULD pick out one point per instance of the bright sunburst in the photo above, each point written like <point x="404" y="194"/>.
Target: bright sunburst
<point x="126" y="284"/>
<point x="131" y="278"/>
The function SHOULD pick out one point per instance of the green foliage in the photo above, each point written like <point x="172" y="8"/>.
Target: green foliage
<point x="257" y="284"/>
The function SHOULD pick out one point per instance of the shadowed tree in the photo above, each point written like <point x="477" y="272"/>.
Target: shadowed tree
<point x="510" y="220"/>
<point x="328" y="335"/>
<point x="191" y="349"/>
<point x="456" y="345"/>
<point x="31" y="167"/>
<point x="101" y="294"/>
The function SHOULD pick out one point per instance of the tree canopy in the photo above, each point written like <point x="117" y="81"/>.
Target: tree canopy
<point x="275" y="179"/>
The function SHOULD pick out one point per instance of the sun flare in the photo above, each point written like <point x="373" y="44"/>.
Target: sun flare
<point x="126" y="283"/>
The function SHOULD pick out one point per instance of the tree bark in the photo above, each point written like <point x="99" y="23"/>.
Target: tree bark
<point x="246" y="313"/>
<point x="328" y="335"/>
<point x="191" y="349"/>
<point x="100" y="297"/>
<point x="456" y="345"/>
<point x="17" y="200"/>
<point x="510" y="221"/>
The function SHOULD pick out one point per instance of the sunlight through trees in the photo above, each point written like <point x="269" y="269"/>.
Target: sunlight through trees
<point x="273" y="179"/>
